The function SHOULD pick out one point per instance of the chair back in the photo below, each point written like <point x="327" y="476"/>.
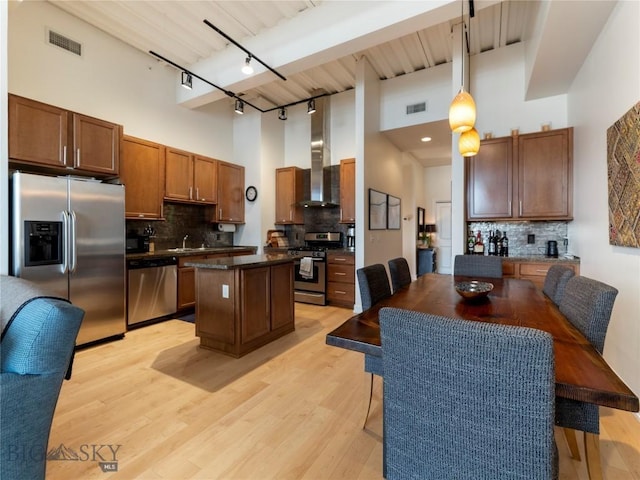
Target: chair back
<point x="478" y="266"/>
<point x="556" y="281"/>
<point x="35" y="352"/>
<point x="455" y="404"/>
<point x="400" y="273"/>
<point x="588" y="303"/>
<point x="374" y="284"/>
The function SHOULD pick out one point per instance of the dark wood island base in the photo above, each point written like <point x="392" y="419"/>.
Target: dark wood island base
<point x="243" y="303"/>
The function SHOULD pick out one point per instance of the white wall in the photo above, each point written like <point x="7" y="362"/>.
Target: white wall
<point x="607" y="85"/>
<point x="4" y="152"/>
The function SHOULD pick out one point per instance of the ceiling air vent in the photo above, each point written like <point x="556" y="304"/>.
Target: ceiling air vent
<point x="65" y="43"/>
<point x="417" y="108"/>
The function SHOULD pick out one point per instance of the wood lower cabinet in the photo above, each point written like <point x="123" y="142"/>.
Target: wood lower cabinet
<point x="142" y="173"/>
<point x="48" y="136"/>
<point x="239" y="310"/>
<point x="289" y="191"/>
<point x="531" y="270"/>
<point x="348" y="190"/>
<point x="341" y="279"/>
<point x="230" y="208"/>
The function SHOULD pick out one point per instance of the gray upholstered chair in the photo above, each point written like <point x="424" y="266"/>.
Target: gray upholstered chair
<point x="400" y="273"/>
<point x="556" y="281"/>
<point x="36" y="347"/>
<point x="478" y="266"/>
<point x="587" y="304"/>
<point x="374" y="286"/>
<point x="455" y="405"/>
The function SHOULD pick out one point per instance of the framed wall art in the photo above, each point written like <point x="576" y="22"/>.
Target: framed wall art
<point x="377" y="210"/>
<point x="393" y="212"/>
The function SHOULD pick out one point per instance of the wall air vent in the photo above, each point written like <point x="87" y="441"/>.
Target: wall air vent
<point x="417" y="108"/>
<point x="65" y="43"/>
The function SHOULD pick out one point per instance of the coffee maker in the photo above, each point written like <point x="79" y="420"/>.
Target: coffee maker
<point x="552" y="249"/>
<point x="351" y="237"/>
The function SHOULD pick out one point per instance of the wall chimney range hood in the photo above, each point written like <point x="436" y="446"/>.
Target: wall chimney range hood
<point x="320" y="191"/>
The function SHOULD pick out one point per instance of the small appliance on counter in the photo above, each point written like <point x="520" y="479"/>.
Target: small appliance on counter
<point x="351" y="237"/>
<point x="137" y="243"/>
<point x="552" y="249"/>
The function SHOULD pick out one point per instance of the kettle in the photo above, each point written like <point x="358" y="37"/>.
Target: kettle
<point x="552" y="249"/>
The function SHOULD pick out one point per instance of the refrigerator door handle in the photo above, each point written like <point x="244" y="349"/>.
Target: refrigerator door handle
<point x="72" y="243"/>
<point x="65" y="233"/>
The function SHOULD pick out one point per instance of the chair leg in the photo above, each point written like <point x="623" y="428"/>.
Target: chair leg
<point x="369" y="406"/>
<point x="592" y="452"/>
<point x="570" y="435"/>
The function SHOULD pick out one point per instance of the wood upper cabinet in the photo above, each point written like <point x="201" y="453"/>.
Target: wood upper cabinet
<point x="230" y="207"/>
<point x="190" y="178"/>
<point x="289" y="191"/>
<point x="528" y="177"/>
<point x="348" y="190"/>
<point x="142" y="173"/>
<point x="50" y="136"/>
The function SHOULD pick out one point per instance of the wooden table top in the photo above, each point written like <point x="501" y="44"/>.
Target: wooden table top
<point x="581" y="372"/>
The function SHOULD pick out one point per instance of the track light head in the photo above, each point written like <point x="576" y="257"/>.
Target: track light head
<point x="247" y="69"/>
<point x="187" y="81"/>
<point x="311" y="106"/>
<point x="239" y="108"/>
<point x="282" y="114"/>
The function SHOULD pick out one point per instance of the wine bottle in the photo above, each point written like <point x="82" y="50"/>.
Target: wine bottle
<point x="505" y="245"/>
<point x="491" y="246"/>
<point x="471" y="240"/>
<point x="478" y="247"/>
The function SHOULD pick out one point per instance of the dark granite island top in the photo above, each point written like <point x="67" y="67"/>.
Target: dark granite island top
<point x="240" y="262"/>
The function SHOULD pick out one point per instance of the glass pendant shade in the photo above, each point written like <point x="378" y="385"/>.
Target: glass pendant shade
<point x="462" y="112"/>
<point x="469" y="143"/>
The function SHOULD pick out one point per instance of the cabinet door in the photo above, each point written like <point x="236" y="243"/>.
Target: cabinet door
<point x="205" y="179"/>
<point x="282" y="301"/>
<point x="289" y="191"/>
<point x="489" y="178"/>
<point x="178" y="183"/>
<point x="96" y="145"/>
<point x="256" y="296"/>
<point x="348" y="190"/>
<point x="230" y="193"/>
<point x="186" y="287"/>
<point x="142" y="173"/>
<point x="38" y="132"/>
<point x="545" y="175"/>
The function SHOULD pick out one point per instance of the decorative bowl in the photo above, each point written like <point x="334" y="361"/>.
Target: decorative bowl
<point x="473" y="290"/>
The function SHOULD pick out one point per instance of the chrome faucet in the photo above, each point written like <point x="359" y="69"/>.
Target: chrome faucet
<point x="184" y="241"/>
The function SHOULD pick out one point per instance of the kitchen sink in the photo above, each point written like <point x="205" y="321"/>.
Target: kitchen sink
<point x="186" y="249"/>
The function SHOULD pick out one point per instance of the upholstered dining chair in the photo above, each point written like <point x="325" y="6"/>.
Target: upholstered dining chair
<point x="455" y="406"/>
<point x="587" y="304"/>
<point x="400" y="273"/>
<point x="37" y="342"/>
<point x="556" y="281"/>
<point x="478" y="266"/>
<point x="374" y="286"/>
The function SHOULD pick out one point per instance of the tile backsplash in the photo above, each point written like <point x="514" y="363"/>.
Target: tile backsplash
<point x="518" y="233"/>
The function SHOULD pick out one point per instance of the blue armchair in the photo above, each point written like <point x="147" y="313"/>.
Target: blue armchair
<point x="36" y="347"/>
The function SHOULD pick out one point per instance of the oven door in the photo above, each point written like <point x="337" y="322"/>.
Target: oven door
<point x="317" y="282"/>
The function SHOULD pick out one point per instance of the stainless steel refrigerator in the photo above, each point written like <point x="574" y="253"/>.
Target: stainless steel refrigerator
<point x="68" y="235"/>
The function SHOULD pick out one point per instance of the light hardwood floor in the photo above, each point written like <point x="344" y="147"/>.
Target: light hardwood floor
<point x="292" y="409"/>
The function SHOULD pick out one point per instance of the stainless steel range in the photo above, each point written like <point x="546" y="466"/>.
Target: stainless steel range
<point x="310" y="284"/>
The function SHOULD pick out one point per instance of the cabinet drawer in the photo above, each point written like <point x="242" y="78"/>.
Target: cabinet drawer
<point x="342" y="293"/>
<point x="534" y="269"/>
<point x="342" y="259"/>
<point x="508" y="269"/>
<point x="341" y="273"/>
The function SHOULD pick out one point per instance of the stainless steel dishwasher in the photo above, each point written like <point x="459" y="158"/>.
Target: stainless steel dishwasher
<point x="153" y="289"/>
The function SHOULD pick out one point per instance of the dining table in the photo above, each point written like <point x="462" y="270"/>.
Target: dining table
<point x="581" y="372"/>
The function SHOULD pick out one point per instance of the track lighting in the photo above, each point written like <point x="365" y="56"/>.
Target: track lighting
<point x="247" y="69"/>
<point x="239" y="106"/>
<point x="282" y="114"/>
<point x="311" y="106"/>
<point x="187" y="80"/>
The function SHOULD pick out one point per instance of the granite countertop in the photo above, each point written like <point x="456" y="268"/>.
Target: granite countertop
<point x="178" y="252"/>
<point x="243" y="261"/>
<point x="544" y="259"/>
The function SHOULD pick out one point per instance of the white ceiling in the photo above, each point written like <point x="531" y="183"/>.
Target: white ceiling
<point x="315" y="44"/>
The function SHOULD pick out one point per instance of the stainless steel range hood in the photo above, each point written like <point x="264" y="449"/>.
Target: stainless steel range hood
<point x="320" y="191"/>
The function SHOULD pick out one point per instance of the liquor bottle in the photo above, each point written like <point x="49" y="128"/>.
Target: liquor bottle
<point x="498" y="239"/>
<point x="491" y="243"/>
<point x="505" y="246"/>
<point x="478" y="247"/>
<point x="471" y="241"/>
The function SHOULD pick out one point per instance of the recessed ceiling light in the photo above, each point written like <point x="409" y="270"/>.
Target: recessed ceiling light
<point x="425" y="139"/>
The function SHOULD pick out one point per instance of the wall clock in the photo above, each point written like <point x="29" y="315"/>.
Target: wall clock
<point x="251" y="193"/>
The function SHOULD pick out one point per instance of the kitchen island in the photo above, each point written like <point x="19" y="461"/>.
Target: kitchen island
<point x="243" y="302"/>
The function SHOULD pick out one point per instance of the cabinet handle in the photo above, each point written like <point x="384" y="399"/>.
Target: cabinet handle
<point x="340" y="274"/>
<point x="141" y="215"/>
<point x="340" y="292"/>
<point x="510" y="212"/>
<point x="78" y="158"/>
<point x="198" y="194"/>
<point x="220" y="213"/>
<point x="339" y="259"/>
<point x="520" y="209"/>
<point x="64" y="155"/>
<point x="190" y="193"/>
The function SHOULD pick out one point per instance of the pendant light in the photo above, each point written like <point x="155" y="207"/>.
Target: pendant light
<point x="469" y="143"/>
<point x="462" y="111"/>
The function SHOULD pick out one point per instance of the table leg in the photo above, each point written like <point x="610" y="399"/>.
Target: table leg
<point x="592" y="454"/>
<point x="570" y="435"/>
